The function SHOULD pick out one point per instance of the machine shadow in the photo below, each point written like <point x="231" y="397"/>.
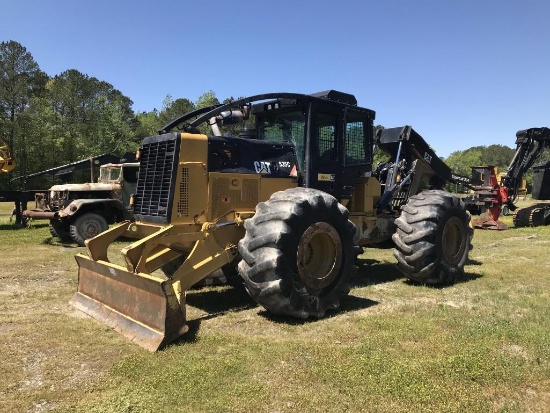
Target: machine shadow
<point x="347" y="303"/>
<point x="467" y="277"/>
<point x="473" y="262"/>
<point x="37" y="224"/>
<point x="217" y="301"/>
<point x="220" y="300"/>
<point x="54" y="241"/>
<point x="10" y="227"/>
<point x="372" y="272"/>
<point x="15" y="226"/>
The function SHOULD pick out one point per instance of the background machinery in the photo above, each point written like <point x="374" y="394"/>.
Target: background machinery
<point x="530" y="145"/>
<point x="22" y="196"/>
<point x="485" y="199"/>
<point x="7" y="162"/>
<point x="78" y="212"/>
<point x="288" y="201"/>
<point x="498" y="196"/>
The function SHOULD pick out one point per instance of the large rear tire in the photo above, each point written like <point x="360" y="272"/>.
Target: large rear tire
<point x="433" y="238"/>
<point x="298" y="253"/>
<point x="87" y="226"/>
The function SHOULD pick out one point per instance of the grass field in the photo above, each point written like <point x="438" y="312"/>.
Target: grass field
<point x="482" y="345"/>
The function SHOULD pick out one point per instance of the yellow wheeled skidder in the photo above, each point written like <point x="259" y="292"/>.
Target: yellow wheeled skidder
<point x="287" y="201"/>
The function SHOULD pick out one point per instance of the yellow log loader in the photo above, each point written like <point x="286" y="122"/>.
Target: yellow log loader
<point x="287" y="200"/>
<point x="7" y="162"/>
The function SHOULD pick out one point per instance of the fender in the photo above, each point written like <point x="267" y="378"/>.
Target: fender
<point x="105" y="207"/>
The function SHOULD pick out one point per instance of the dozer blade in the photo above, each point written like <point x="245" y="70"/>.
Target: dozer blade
<point x="141" y="307"/>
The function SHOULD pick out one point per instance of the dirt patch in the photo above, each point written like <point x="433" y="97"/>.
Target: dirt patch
<point x="515" y="350"/>
<point x="538" y="400"/>
<point x="33" y="368"/>
<point x="6" y="328"/>
<point x="526" y="237"/>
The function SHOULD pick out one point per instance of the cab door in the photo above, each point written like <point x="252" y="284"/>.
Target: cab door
<point x="324" y="155"/>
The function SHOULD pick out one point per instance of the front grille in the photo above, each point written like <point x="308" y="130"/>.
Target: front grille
<point x="56" y="205"/>
<point x="157" y="174"/>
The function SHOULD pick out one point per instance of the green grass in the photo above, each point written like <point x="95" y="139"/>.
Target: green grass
<point x="481" y="345"/>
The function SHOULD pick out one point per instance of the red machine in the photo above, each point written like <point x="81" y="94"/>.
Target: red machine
<point x="487" y="199"/>
<point x="491" y="196"/>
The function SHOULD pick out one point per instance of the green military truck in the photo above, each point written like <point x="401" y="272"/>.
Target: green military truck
<point x="80" y="211"/>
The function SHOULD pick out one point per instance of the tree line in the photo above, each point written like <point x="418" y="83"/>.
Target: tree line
<point x="461" y="162"/>
<point x="54" y="120"/>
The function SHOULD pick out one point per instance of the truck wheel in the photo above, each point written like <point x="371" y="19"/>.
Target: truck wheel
<point x="87" y="226"/>
<point x="433" y="238"/>
<point x="298" y="253"/>
<point x="58" y="230"/>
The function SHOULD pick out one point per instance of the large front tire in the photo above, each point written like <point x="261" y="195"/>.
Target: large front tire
<point x="433" y="238"/>
<point x="298" y="253"/>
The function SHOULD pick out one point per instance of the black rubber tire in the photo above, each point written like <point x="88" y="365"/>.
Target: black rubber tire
<point x="58" y="230"/>
<point x="433" y="238"/>
<point x="87" y="226"/>
<point x="298" y="253"/>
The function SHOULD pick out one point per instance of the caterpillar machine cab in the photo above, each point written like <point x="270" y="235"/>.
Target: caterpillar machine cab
<point x="287" y="201"/>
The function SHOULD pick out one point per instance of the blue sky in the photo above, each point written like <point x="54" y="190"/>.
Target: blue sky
<point x="462" y="73"/>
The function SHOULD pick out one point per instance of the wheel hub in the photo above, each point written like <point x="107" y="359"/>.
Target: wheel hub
<point x="90" y="229"/>
<point x="319" y="255"/>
